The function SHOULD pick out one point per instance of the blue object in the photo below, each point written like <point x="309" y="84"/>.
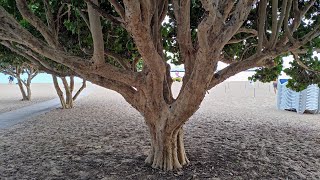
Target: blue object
<point x="306" y="100"/>
<point x="283" y="80"/>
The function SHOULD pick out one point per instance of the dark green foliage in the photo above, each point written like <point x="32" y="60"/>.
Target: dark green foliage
<point x="7" y="58"/>
<point x="177" y="79"/>
<point x="266" y="74"/>
<point x="301" y="77"/>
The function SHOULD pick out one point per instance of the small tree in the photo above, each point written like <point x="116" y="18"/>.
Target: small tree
<point x="24" y="84"/>
<point x="69" y="98"/>
<point x="15" y="65"/>
<point x="245" y="33"/>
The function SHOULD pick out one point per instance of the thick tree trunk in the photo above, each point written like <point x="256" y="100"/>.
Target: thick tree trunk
<point x="167" y="148"/>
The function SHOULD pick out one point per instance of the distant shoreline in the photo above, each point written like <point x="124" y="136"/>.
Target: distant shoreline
<point x="46" y="78"/>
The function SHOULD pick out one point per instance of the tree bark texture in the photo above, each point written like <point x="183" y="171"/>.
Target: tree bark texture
<point x="167" y="148"/>
<point x="149" y="91"/>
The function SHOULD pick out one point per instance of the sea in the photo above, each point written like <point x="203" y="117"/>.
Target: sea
<point x="40" y="78"/>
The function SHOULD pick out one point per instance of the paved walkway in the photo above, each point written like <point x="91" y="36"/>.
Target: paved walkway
<point x="11" y="118"/>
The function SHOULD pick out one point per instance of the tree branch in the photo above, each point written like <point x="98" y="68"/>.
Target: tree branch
<point x="241" y="12"/>
<point x="296" y="58"/>
<point x="124" y="62"/>
<point x="227" y="7"/>
<point x="85" y="19"/>
<point x="118" y="7"/>
<point x="77" y="63"/>
<point x="287" y="31"/>
<point x="274" y="20"/>
<point x="114" y="20"/>
<point x="97" y="36"/>
<point x="280" y="22"/>
<point x="84" y="85"/>
<point x="50" y="19"/>
<point x="234" y="41"/>
<point x="262" y="21"/>
<point x="37" y="23"/>
<point x="35" y="60"/>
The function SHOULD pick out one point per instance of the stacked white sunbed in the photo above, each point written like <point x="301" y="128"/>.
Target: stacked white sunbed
<point x="307" y="100"/>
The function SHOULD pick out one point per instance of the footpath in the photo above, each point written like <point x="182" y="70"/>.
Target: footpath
<point x="8" y="119"/>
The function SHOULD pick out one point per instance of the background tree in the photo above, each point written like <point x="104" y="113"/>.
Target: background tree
<point x="67" y="99"/>
<point x="245" y="33"/>
<point x="19" y="60"/>
<point x="15" y="66"/>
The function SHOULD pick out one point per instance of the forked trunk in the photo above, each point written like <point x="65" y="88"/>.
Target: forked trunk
<point x="68" y="89"/>
<point x="67" y="101"/>
<point x="167" y="148"/>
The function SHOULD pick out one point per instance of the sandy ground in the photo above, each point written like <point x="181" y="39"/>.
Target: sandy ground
<point x="232" y="136"/>
<point x="10" y="96"/>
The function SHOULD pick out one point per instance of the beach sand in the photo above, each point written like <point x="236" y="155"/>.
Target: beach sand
<point x="233" y="135"/>
<point x="10" y="96"/>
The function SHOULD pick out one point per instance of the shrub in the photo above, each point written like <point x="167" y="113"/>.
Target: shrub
<point x="178" y="79"/>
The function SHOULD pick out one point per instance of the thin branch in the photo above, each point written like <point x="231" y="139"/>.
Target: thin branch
<point x="311" y="35"/>
<point x="58" y="18"/>
<point x="234" y="41"/>
<point x="307" y="7"/>
<point x="84" y="85"/>
<point x="118" y="7"/>
<point x="114" y="20"/>
<point x="49" y="15"/>
<point x="37" y="23"/>
<point x="85" y="19"/>
<point x="286" y="20"/>
<point x="249" y="31"/>
<point x="240" y="14"/>
<point x="35" y="59"/>
<point x="124" y="62"/>
<point x="296" y="58"/>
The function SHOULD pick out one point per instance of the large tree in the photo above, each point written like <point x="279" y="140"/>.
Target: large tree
<point x="244" y="33"/>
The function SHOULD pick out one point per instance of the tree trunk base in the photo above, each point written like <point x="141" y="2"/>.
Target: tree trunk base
<point x="167" y="151"/>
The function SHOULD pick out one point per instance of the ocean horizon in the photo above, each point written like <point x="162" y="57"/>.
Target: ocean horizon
<point x="47" y="78"/>
<point x="40" y="78"/>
